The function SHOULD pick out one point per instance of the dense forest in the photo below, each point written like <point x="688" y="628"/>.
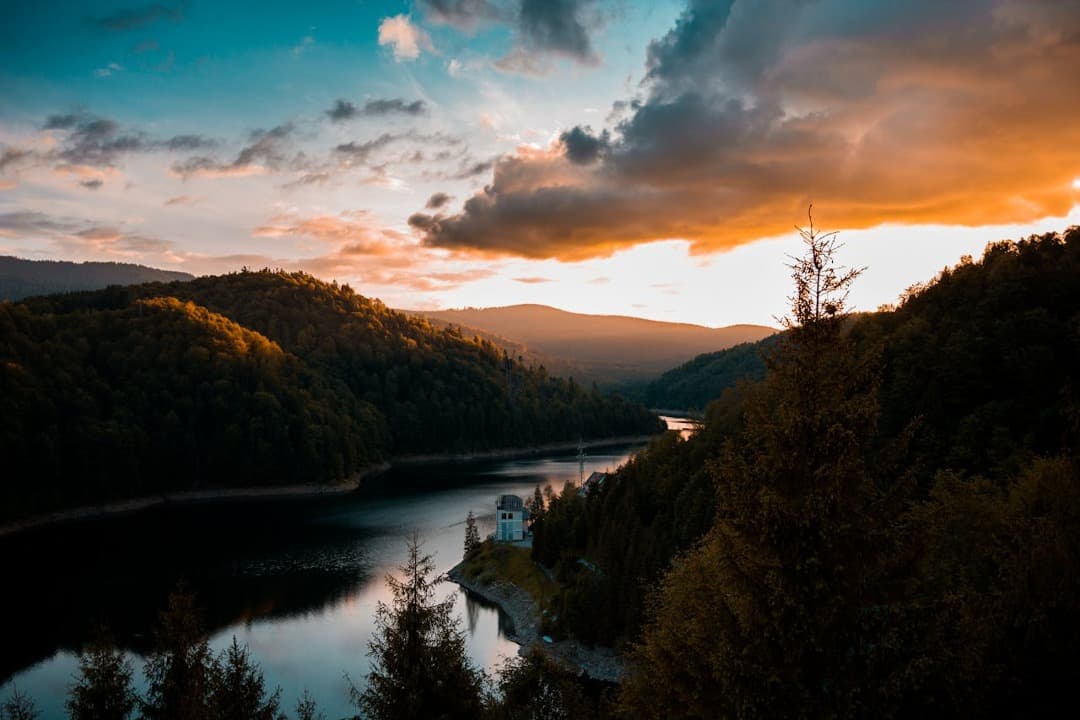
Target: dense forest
<point x="694" y="384"/>
<point x="21" y="278"/>
<point x="887" y="524"/>
<point x="254" y="378"/>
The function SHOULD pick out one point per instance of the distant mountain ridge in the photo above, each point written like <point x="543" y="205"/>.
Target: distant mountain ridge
<point x="610" y="349"/>
<point x="21" y="278"/>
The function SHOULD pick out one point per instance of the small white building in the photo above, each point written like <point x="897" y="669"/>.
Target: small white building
<point x="510" y="516"/>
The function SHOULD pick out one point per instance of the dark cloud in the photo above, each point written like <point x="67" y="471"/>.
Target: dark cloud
<point x="879" y="113"/>
<point x="437" y="200"/>
<point x="76" y="236"/>
<point x="462" y="14"/>
<point x="377" y="107"/>
<point x="582" y="146"/>
<point x="95" y="141"/>
<point x="92" y="184"/>
<point x="188" y="143"/>
<point x="137" y="17"/>
<point x="29" y="223"/>
<point x="557" y="26"/>
<point x="13" y="157"/>
<point x="361" y="152"/>
<point x="542" y="28"/>
<point x="267" y="150"/>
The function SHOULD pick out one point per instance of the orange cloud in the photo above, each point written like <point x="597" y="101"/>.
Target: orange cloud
<point x="964" y="114"/>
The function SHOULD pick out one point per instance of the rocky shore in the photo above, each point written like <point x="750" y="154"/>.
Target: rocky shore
<point x="598" y="663"/>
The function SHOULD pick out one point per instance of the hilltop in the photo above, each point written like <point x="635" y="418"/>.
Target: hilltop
<point x="21" y="278"/>
<point x="255" y="379"/>
<point x="609" y="349"/>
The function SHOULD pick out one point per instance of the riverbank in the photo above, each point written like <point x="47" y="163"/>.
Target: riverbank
<point x="191" y="497"/>
<point x="285" y="492"/>
<point x="525" y="615"/>
<point x="514" y="452"/>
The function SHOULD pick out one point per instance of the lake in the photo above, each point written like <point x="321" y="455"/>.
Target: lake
<point x="297" y="580"/>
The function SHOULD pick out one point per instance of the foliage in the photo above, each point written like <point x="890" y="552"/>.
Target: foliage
<point x="253" y="379"/>
<point x="18" y="707"/>
<point x="502" y="562"/>
<point x="180" y="669"/>
<point x="532" y="687"/>
<point x="237" y="689"/>
<point x="307" y="708"/>
<point x="472" y="535"/>
<point x="694" y="384"/>
<point x="103" y="690"/>
<point x="419" y="666"/>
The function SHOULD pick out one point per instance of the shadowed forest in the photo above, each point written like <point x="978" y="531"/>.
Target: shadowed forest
<point x="888" y="524"/>
<point x="255" y="379"/>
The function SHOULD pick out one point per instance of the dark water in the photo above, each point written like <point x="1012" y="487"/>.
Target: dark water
<point x="298" y="581"/>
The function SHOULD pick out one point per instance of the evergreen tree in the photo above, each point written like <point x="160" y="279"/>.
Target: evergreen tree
<point x="103" y="690"/>
<point x="536" y="507"/>
<point x="535" y="688"/>
<point x="18" y="707"/>
<point x="178" y="672"/>
<point x="472" y="535"/>
<point x="776" y="612"/>
<point x="307" y="708"/>
<point x="237" y="689"/>
<point x="419" y="666"/>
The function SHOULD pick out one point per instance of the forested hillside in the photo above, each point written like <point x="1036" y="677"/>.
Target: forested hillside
<point x="694" y="384"/>
<point x="888" y="524"/>
<point x="21" y="278"/>
<point x="254" y="378"/>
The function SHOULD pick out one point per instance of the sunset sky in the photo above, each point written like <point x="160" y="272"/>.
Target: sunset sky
<point x="602" y="156"/>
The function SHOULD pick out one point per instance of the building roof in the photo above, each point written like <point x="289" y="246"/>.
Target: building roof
<point x="509" y="502"/>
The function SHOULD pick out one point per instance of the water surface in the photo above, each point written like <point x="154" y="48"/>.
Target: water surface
<point x="298" y="581"/>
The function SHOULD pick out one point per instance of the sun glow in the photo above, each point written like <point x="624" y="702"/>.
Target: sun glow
<point x="1076" y="184"/>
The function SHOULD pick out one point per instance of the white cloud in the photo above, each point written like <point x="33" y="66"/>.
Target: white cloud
<point x="108" y="70"/>
<point x="406" y="39"/>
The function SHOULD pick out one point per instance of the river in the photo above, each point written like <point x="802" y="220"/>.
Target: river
<point x="297" y="580"/>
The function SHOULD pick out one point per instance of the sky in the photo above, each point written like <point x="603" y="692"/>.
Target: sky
<point x="602" y="156"/>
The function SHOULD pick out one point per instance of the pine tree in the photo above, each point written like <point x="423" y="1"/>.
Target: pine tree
<point x="103" y="690"/>
<point x="419" y="666"/>
<point x="178" y="672"/>
<point x="307" y="708"/>
<point x="472" y="535"/>
<point x="237" y="689"/>
<point x="771" y="614"/>
<point x="18" y="706"/>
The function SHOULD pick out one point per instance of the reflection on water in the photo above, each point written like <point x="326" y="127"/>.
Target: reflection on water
<point x="298" y="581"/>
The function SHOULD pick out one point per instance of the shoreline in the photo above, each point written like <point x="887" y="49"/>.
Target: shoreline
<point x="598" y="663"/>
<point x="131" y="506"/>
<point x="411" y="461"/>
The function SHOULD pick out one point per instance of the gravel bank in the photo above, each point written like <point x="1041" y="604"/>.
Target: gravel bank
<point x="599" y="663"/>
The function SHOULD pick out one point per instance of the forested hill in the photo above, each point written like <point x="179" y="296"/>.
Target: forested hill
<point x="254" y="378"/>
<point x="888" y="524"/>
<point x="21" y="278"/>
<point x="694" y="384"/>
<point x="610" y="349"/>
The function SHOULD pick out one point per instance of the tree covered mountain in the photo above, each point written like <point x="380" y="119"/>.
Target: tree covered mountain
<point x="254" y="378"/>
<point x="694" y="384"/>
<point x="609" y="349"/>
<point x="887" y="524"/>
<point x="21" y="278"/>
